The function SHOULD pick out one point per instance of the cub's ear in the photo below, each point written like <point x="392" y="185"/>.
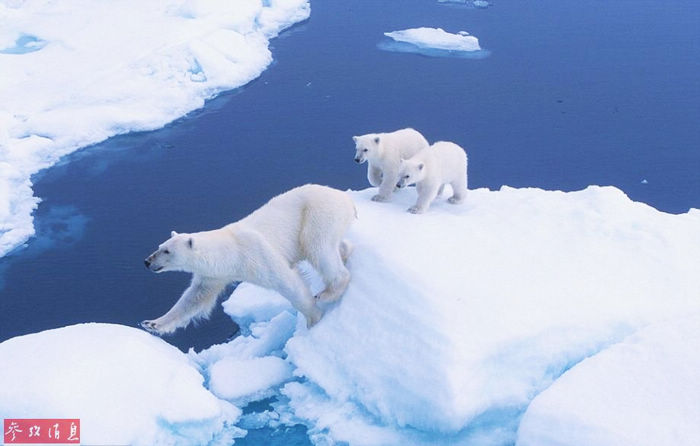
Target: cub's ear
<point x="420" y="166"/>
<point x="173" y="233"/>
<point x="190" y="243"/>
<point x="376" y="140"/>
<point x="355" y="138"/>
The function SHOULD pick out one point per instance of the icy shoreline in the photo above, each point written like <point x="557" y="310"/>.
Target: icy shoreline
<point x="454" y="322"/>
<point x="152" y="63"/>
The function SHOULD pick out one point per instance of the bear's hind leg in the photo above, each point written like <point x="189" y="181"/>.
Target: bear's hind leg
<point x="287" y="281"/>
<point x="345" y="250"/>
<point x="336" y="277"/>
<point x="460" y="191"/>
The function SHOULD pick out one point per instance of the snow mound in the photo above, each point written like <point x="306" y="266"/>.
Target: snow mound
<point x="116" y="67"/>
<point x="436" y="39"/>
<point x="643" y="391"/>
<point x="454" y="320"/>
<point x="126" y="386"/>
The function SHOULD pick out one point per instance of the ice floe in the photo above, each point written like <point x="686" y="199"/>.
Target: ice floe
<point x="125" y="386"/>
<point x="643" y="391"/>
<point x="433" y="42"/>
<point x="75" y="72"/>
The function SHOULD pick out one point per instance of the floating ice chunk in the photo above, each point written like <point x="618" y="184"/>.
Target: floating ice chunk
<point x="263" y="339"/>
<point x="116" y="67"/>
<point x="643" y="391"/>
<point x="249" y="303"/>
<point x="126" y="386"/>
<point x="475" y="3"/>
<point x="244" y="380"/>
<point x="436" y="38"/>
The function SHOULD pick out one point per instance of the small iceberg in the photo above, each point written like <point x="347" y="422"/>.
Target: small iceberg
<point x="434" y="42"/>
<point x="482" y="4"/>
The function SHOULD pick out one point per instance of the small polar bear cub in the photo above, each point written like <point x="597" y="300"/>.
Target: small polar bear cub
<point x="383" y="153"/>
<point x="305" y="223"/>
<point x="432" y="168"/>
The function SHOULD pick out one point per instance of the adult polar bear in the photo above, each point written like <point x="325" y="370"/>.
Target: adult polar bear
<point x="383" y="153"/>
<point x="305" y="223"/>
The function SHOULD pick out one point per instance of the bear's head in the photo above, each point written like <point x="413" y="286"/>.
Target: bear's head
<point x="367" y="147"/>
<point x="174" y="254"/>
<point x="410" y="172"/>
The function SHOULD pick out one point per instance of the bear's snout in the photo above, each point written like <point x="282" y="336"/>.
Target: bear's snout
<point x="147" y="263"/>
<point x="358" y="160"/>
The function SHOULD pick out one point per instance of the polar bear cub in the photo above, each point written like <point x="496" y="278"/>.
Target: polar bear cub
<point x="432" y="168"/>
<point x="383" y="153"/>
<point x="305" y="223"/>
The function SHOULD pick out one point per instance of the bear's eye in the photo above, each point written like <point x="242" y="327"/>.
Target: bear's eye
<point x="406" y="176"/>
<point x="165" y="251"/>
<point x="365" y="150"/>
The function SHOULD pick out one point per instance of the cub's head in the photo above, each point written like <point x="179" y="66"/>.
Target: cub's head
<point x="410" y="172"/>
<point x="173" y="254"/>
<point x="367" y="147"/>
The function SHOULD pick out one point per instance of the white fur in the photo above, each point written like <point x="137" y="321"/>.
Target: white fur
<point x="432" y="168"/>
<point x="305" y="223"/>
<point x="383" y="153"/>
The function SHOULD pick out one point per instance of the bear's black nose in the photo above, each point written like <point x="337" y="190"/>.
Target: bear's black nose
<point x="147" y="263"/>
<point x="357" y="160"/>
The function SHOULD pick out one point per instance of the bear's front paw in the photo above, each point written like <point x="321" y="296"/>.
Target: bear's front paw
<point x="415" y="210"/>
<point x="380" y="198"/>
<point x="151" y="327"/>
<point x="455" y="200"/>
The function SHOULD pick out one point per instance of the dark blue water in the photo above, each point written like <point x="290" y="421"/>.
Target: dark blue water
<point x="572" y="94"/>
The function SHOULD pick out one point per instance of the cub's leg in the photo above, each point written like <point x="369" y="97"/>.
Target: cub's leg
<point x="426" y="195"/>
<point x="389" y="178"/>
<point x="374" y="175"/>
<point x="460" y="190"/>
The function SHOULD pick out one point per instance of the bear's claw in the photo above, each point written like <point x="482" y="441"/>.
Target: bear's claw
<point x="380" y="198"/>
<point x="415" y="210"/>
<point x="150" y="326"/>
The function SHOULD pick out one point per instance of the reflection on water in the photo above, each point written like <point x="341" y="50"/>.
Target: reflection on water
<point x="405" y="47"/>
<point x="60" y="227"/>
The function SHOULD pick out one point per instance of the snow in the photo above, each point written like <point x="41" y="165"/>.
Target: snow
<point x="453" y="323"/>
<point x="456" y="319"/>
<point x="115" y="67"/>
<point x="126" y="386"/>
<point x="642" y="391"/>
<point x="235" y="379"/>
<point x="436" y="38"/>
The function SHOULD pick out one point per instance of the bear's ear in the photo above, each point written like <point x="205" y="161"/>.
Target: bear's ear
<point x="376" y="140"/>
<point x="420" y="166"/>
<point x="355" y="138"/>
<point x="173" y="233"/>
<point x="190" y="243"/>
